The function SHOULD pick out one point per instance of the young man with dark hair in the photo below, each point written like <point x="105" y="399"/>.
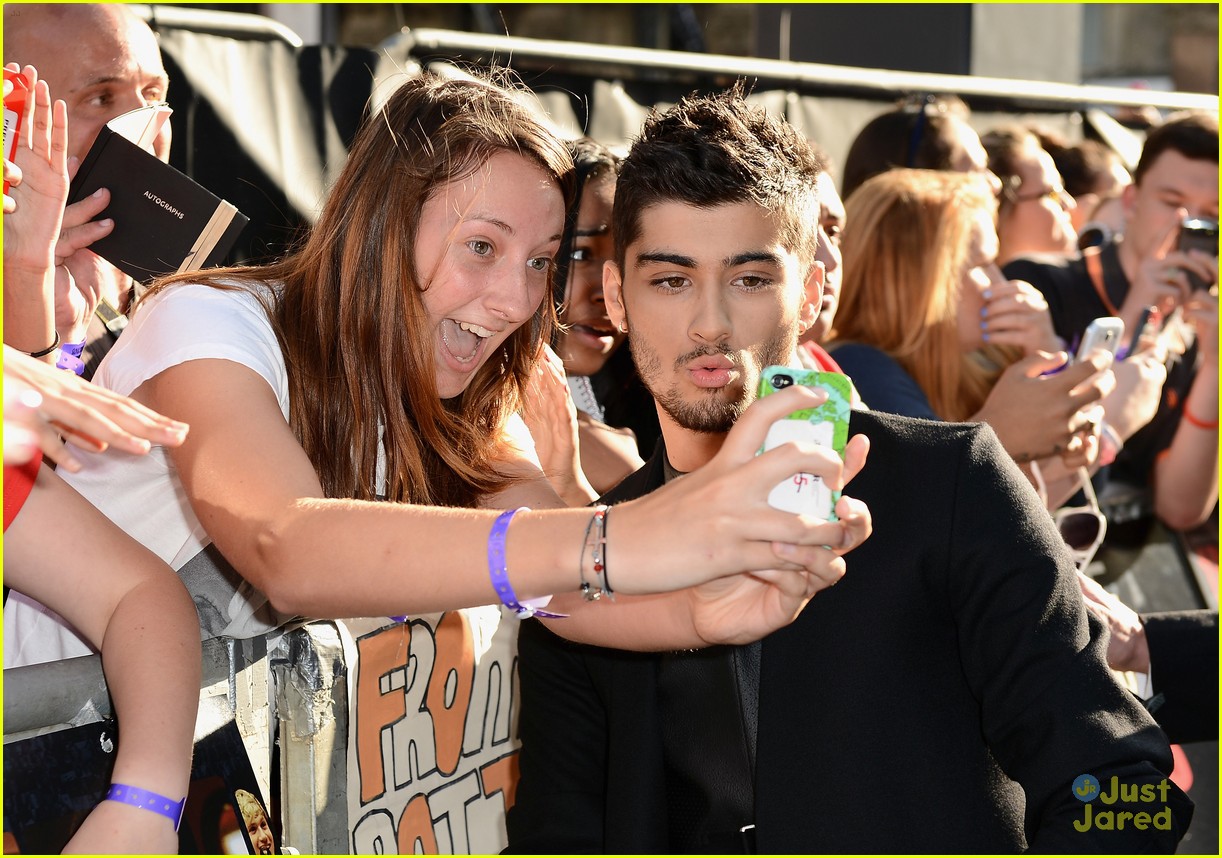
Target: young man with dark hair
<point x="944" y="696"/>
<point x="1175" y="455"/>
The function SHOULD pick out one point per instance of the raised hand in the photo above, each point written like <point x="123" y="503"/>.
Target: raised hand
<point x="746" y="607"/>
<point x="1016" y="314"/>
<point x="551" y="417"/>
<point x="1037" y="415"/>
<point x="89" y="415"/>
<point x="40" y="159"/>
<point x="720" y="512"/>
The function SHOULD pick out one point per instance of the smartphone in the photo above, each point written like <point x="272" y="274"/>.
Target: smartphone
<point x="827" y="424"/>
<point x="1198" y="233"/>
<point x="1103" y="333"/>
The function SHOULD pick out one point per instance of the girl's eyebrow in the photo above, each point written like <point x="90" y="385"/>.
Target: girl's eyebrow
<point x="501" y="225"/>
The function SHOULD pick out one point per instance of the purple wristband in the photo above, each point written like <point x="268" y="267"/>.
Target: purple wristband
<point x="70" y="357"/>
<point x="146" y="800"/>
<point x="498" y="569"/>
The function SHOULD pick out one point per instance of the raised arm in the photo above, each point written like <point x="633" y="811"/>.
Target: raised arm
<point x="258" y="498"/>
<point x="1186" y="474"/>
<point x="133" y="608"/>
<point x="31" y="230"/>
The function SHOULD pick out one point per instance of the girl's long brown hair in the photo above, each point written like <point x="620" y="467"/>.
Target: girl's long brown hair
<point x="348" y="313"/>
<point x="904" y="255"/>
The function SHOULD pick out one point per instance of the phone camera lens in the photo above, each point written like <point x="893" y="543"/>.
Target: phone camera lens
<point x="780" y="382"/>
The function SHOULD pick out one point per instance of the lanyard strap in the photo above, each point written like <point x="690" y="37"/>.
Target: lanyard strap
<point x="1094" y="267"/>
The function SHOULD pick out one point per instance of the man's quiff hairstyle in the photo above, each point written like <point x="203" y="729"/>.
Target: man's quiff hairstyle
<point x="1193" y="134"/>
<point x="713" y="150"/>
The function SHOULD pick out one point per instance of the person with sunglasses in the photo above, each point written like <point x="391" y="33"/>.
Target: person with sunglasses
<point x="1094" y="175"/>
<point x="1035" y="214"/>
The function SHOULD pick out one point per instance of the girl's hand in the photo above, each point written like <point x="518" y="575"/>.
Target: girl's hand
<point x="84" y="413"/>
<point x="1016" y="314"/>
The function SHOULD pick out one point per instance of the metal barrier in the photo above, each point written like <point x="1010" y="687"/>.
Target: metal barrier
<point x="362" y="736"/>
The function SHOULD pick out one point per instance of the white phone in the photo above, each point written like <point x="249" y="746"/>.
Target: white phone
<point x="1103" y="333"/>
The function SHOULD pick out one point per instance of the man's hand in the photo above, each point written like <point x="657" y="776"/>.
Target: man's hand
<point x="1139" y="385"/>
<point x="747" y="607"/>
<point x="41" y="166"/>
<point x="1126" y="645"/>
<point x="1161" y="280"/>
<point x="1201" y="311"/>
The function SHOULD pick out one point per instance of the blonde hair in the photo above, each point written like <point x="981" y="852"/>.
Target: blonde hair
<point x="904" y="258"/>
<point x="248" y="805"/>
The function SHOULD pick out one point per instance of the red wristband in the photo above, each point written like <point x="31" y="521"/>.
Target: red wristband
<point x="1197" y="422"/>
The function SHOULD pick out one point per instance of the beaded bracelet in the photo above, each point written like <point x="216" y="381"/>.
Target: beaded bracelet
<point x="498" y="570"/>
<point x="591" y="594"/>
<point x="48" y="349"/>
<point x="596" y="541"/>
<point x="601" y="557"/>
<point x="147" y="800"/>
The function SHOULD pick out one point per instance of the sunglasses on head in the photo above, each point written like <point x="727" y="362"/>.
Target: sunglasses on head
<point x="921" y="105"/>
<point x="1082" y="527"/>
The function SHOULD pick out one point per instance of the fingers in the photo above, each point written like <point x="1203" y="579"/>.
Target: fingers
<point x="1027" y="330"/>
<point x="856" y="523"/>
<point x="96" y="418"/>
<point x="1039" y="363"/>
<point x="801" y="584"/>
<point x="1177" y="263"/>
<point x="75" y="239"/>
<point x="749" y="431"/>
<point x="12" y="173"/>
<point x="856" y="451"/>
<point x="83" y="211"/>
<point x="88" y="428"/>
<point x="40" y="136"/>
<point x="1098" y="383"/>
<point x="1166" y="242"/>
<point x="853" y="527"/>
<point x="59" y="137"/>
<point x="54" y="448"/>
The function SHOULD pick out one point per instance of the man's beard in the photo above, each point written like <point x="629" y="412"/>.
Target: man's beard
<point x="711" y="413"/>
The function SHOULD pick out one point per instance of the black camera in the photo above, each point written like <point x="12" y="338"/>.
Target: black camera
<point x="780" y="382"/>
<point x="1198" y="233"/>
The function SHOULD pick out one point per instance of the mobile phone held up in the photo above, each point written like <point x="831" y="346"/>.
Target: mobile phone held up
<point x="1198" y="233"/>
<point x="827" y="424"/>
<point x="1103" y="333"/>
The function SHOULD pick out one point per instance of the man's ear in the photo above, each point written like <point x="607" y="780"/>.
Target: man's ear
<point x="613" y="295"/>
<point x="1128" y="199"/>
<point x="812" y="297"/>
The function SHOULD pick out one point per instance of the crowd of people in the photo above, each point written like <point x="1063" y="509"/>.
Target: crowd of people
<point x="507" y="369"/>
